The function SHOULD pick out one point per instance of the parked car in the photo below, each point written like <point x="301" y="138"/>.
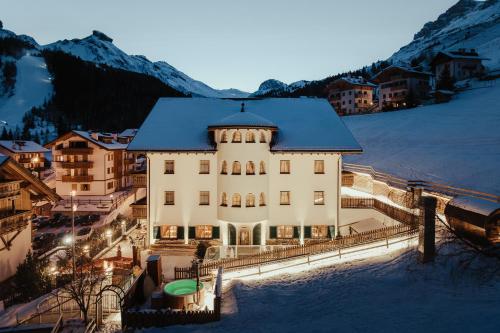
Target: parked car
<point x="43" y="242"/>
<point x="40" y="222"/>
<point x="83" y="233"/>
<point x="94" y="217"/>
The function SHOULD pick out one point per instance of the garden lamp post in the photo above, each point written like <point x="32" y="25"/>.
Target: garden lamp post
<point x="73" y="239"/>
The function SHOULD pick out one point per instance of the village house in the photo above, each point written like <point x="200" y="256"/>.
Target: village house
<point x="29" y="154"/>
<point x="461" y="64"/>
<point x="91" y="163"/>
<point x="401" y="87"/>
<point x="350" y="95"/>
<point x="18" y="189"/>
<point x="245" y="172"/>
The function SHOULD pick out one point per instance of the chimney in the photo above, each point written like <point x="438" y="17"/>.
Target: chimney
<point x="95" y="136"/>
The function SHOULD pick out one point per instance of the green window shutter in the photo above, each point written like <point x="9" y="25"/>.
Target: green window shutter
<point x="215" y="232"/>
<point x="273" y="232"/>
<point x="256" y="234"/>
<point x="307" y="231"/>
<point x="296" y="232"/>
<point x="180" y="232"/>
<point x="331" y="231"/>
<point x="156" y="232"/>
<point x="192" y="233"/>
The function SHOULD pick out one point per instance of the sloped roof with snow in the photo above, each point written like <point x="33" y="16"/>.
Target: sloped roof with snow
<point x="110" y="146"/>
<point x="21" y="146"/>
<point x="129" y="132"/>
<point x="303" y="124"/>
<point x="243" y="119"/>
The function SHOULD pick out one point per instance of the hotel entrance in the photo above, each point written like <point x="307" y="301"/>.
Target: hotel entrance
<point x="244" y="236"/>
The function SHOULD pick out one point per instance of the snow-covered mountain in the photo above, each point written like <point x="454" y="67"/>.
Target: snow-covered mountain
<point x="274" y="87"/>
<point x="99" y="48"/>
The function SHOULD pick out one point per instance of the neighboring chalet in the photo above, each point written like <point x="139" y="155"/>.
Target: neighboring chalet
<point x="350" y="95"/>
<point x="18" y="188"/>
<point x="461" y="64"/>
<point x="244" y="172"/>
<point x="91" y="163"/>
<point x="27" y="153"/>
<point x="401" y="87"/>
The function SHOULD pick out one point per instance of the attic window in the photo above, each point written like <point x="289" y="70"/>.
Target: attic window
<point x="237" y="137"/>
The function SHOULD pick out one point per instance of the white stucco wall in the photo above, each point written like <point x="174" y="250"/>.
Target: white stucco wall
<point x="10" y="259"/>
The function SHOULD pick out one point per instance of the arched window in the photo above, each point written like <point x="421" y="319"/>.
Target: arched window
<point x="223" y="137"/>
<point x="236" y="200"/>
<point x="262" y="168"/>
<point x="250" y="168"/>
<point x="237" y="136"/>
<point x="250" y="200"/>
<point x="223" y="170"/>
<point x="250" y="137"/>
<point x="262" y="137"/>
<point x="236" y="168"/>
<point x="262" y="199"/>
<point x="223" y="200"/>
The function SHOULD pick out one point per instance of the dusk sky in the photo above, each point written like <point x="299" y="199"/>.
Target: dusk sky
<point x="232" y="43"/>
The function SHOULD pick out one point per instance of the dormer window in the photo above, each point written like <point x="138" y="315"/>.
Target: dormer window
<point x="262" y="137"/>
<point x="237" y="137"/>
<point x="223" y="137"/>
<point x="250" y="137"/>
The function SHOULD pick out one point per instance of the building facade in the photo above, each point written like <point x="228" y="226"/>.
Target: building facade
<point x="91" y="163"/>
<point x="265" y="172"/>
<point x="461" y="64"/>
<point x="29" y="154"/>
<point x="401" y="87"/>
<point x="351" y="95"/>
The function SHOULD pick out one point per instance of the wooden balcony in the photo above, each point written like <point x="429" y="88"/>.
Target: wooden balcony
<point x="347" y="178"/>
<point x="140" y="209"/>
<point x="76" y="165"/>
<point x="12" y="221"/>
<point x="25" y="160"/>
<point x="139" y="180"/>
<point x="77" y="179"/>
<point x="77" y="151"/>
<point x="129" y="160"/>
<point x="10" y="189"/>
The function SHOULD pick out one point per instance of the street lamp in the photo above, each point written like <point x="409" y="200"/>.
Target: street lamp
<point x="34" y="162"/>
<point x="109" y="235"/>
<point x="73" y="209"/>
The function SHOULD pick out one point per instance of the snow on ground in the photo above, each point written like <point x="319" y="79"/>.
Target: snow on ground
<point x="456" y="143"/>
<point x="392" y="293"/>
<point x="33" y="86"/>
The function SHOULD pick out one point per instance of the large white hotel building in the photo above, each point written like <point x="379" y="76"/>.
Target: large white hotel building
<point x="243" y="171"/>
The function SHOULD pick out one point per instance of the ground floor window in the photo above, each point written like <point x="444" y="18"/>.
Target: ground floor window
<point x="319" y="231"/>
<point x="168" y="231"/>
<point x="85" y="187"/>
<point x="284" y="231"/>
<point x="203" y="231"/>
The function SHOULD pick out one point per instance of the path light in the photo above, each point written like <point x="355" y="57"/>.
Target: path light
<point x="86" y="249"/>
<point x="109" y="235"/>
<point x="68" y="240"/>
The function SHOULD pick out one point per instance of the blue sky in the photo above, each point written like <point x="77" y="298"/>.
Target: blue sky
<point x="235" y="43"/>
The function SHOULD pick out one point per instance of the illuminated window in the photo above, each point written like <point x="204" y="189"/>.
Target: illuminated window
<point x="262" y="168"/>
<point x="204" y="167"/>
<point x="262" y="199"/>
<point x="284" y="197"/>
<point x="223" y="200"/>
<point x="204" y="198"/>
<point x="237" y="137"/>
<point x="250" y="168"/>
<point x="284" y="166"/>
<point x="319" y="231"/>
<point x="319" y="166"/>
<point x="169" y="167"/>
<point x="250" y="200"/>
<point x="250" y="137"/>
<point x="262" y="137"/>
<point x="168" y="231"/>
<point x="85" y="187"/>
<point x="319" y="197"/>
<point x="236" y="200"/>
<point x="203" y="231"/>
<point x="223" y="137"/>
<point x="223" y="170"/>
<point x="169" y="198"/>
<point x="236" y="168"/>
<point x="284" y="231"/>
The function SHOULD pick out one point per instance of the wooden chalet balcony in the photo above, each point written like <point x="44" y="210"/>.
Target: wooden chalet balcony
<point x="24" y="160"/>
<point x="77" y="179"/>
<point x="12" y="221"/>
<point x="139" y="180"/>
<point x="76" y="165"/>
<point x="140" y="209"/>
<point x="129" y="160"/>
<point x="10" y="190"/>
<point x="77" y="150"/>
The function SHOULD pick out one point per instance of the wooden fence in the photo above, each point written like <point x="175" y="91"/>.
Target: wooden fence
<point x="278" y="255"/>
<point x="393" y="212"/>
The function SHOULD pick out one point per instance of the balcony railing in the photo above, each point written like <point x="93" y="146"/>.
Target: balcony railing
<point x="77" y="179"/>
<point x="139" y="211"/>
<point x="129" y="160"/>
<point x="77" y="150"/>
<point x="139" y="180"/>
<point x="11" y="221"/>
<point x="24" y="160"/>
<point x="76" y="165"/>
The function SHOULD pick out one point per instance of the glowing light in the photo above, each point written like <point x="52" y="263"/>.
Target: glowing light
<point x="109" y="233"/>
<point x="68" y="240"/>
<point x="74" y="208"/>
<point x="73" y="193"/>
<point x="123" y="223"/>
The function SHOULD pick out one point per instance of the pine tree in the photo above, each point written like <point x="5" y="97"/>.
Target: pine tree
<point x="5" y="135"/>
<point x="31" y="279"/>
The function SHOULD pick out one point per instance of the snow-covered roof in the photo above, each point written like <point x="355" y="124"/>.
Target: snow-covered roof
<point x="398" y="68"/>
<point x="304" y="124"/>
<point x="243" y="119"/>
<point x="480" y="206"/>
<point x="456" y="55"/>
<point x="3" y="158"/>
<point x="111" y="146"/>
<point x="129" y="132"/>
<point x="21" y="146"/>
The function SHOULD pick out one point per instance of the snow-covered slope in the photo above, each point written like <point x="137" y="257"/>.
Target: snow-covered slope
<point x="99" y="48"/>
<point x="467" y="24"/>
<point x="456" y="143"/>
<point x="276" y="88"/>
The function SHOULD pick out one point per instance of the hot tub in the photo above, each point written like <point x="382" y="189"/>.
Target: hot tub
<point x="180" y="294"/>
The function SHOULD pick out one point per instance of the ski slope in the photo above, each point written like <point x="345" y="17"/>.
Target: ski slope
<point x="457" y="143"/>
<point x="33" y="86"/>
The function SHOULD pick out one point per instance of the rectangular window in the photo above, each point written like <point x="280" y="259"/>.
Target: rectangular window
<point x="319" y="197"/>
<point x="204" y="167"/>
<point x="85" y="187"/>
<point x="169" y="167"/>
<point x="204" y="198"/>
<point x="203" y="232"/>
<point x="168" y="231"/>
<point x="74" y="187"/>
<point x="319" y="166"/>
<point x="284" y="166"/>
<point x="319" y="231"/>
<point x="169" y="198"/>
<point x="284" y="231"/>
<point x="110" y="185"/>
<point x="284" y="197"/>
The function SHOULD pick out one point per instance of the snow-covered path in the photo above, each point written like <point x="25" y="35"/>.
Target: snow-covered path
<point x="389" y="294"/>
<point x="32" y="88"/>
<point x="456" y="143"/>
